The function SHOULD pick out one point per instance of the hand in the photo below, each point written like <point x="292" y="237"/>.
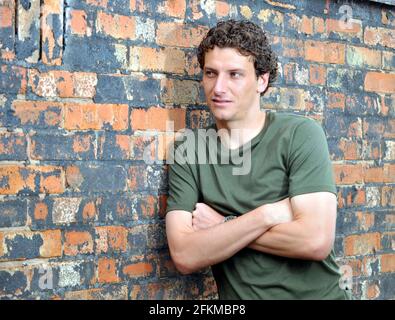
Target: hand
<point x="277" y="212"/>
<point x="204" y="217"/>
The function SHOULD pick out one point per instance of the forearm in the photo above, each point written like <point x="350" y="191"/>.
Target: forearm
<point x="290" y="240"/>
<point x="194" y="250"/>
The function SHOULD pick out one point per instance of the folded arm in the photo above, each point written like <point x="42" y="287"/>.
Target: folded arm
<point x="192" y="248"/>
<point x="309" y="235"/>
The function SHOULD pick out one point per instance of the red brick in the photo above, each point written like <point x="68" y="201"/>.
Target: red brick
<point x="89" y="212"/>
<point x="111" y="237"/>
<point x="96" y="116"/>
<point x="38" y="113"/>
<point x="326" y="52"/>
<point x="317" y="75"/>
<point x="385" y="174"/>
<point x="372" y="290"/>
<point x="380" y="82"/>
<point x="353" y="28"/>
<point x="98" y="3"/>
<point x="174" y="8"/>
<point x="52" y="48"/>
<point x="52" y="246"/>
<point x="24" y="178"/>
<point x="78" y="242"/>
<point x="179" y="35"/>
<point x="348" y="174"/>
<point x="63" y="84"/>
<point x="105" y="293"/>
<point x="138" y="269"/>
<point x="155" y="118"/>
<point x="352" y="150"/>
<point x="40" y="211"/>
<point x="336" y="100"/>
<point x="169" y="60"/>
<point x="387" y="262"/>
<point x="116" y="26"/>
<point x="222" y="8"/>
<point x="363" y="57"/>
<point x="381" y="36"/>
<point x="77" y="22"/>
<point x="6" y="17"/>
<point x="107" y="271"/>
<point x="362" y="244"/>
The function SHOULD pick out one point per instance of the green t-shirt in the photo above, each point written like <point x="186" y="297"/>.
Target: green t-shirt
<point x="289" y="157"/>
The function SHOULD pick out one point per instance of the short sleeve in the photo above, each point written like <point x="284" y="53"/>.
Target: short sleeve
<point x="309" y="164"/>
<point x="183" y="187"/>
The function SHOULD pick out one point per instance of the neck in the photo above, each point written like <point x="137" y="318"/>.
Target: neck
<point x="237" y="133"/>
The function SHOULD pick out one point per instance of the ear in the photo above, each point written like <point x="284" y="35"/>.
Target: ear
<point x="263" y="82"/>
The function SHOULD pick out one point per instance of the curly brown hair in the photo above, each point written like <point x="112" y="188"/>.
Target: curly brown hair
<point x="248" y="38"/>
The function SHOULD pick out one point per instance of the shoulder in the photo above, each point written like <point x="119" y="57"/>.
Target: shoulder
<point x="297" y="124"/>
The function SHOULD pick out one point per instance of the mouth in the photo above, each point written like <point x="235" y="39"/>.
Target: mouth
<point x="220" y="102"/>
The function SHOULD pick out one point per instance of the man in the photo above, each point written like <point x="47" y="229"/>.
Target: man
<point x="267" y="234"/>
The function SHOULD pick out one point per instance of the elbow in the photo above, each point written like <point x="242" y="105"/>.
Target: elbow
<point x="182" y="263"/>
<point x="320" y="249"/>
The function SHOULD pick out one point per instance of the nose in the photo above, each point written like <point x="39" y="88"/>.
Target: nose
<point x="220" y="85"/>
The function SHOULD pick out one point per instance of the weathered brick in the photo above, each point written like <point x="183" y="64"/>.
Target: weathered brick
<point x="22" y="245"/>
<point x="12" y="283"/>
<point x="77" y="22"/>
<point x="144" y="147"/>
<point x="13" y="213"/>
<point x="120" y="209"/>
<point x="38" y="114"/>
<point x="386" y="173"/>
<point x="52" y="32"/>
<point x="96" y="116"/>
<point x="124" y="89"/>
<point x="344" y="30"/>
<point x="326" y="52"/>
<point x="380" y="82"/>
<point x="78" y="146"/>
<point x="336" y="100"/>
<point x="157" y="118"/>
<point x="388" y="60"/>
<point x="362" y="244"/>
<point x="317" y="75"/>
<point x="13" y="79"/>
<point x="78" y="242"/>
<point x="97" y="178"/>
<point x="377" y="35"/>
<point x="19" y="179"/>
<point x="363" y="57"/>
<point x="199" y="119"/>
<point x="173" y="8"/>
<point x="113" y="146"/>
<point x="179" y="35"/>
<point x="111" y="239"/>
<point x="222" y="9"/>
<point x="348" y="173"/>
<point x="138" y="269"/>
<point x="343" y="126"/>
<point x="65" y="210"/>
<point x="63" y="84"/>
<point x="181" y="92"/>
<point x="28" y="31"/>
<point x="346" y="80"/>
<point x="13" y="146"/>
<point x="388" y="196"/>
<point x="109" y="292"/>
<point x="167" y="60"/>
<point x="387" y="262"/>
<point x="292" y="48"/>
<point x="117" y="26"/>
<point x="107" y="271"/>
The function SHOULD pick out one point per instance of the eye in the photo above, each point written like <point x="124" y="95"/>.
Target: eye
<point x="209" y="74"/>
<point x="235" y="75"/>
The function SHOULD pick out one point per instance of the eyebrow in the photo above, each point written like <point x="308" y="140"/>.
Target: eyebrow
<point x="229" y="70"/>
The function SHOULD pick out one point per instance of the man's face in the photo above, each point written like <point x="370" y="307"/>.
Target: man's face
<point x="230" y="84"/>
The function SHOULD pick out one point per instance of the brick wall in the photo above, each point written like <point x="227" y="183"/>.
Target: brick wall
<point x="86" y="90"/>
